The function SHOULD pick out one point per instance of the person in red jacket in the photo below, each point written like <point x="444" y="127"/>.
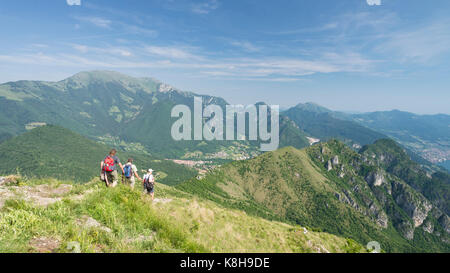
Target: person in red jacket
<point x="109" y="167"/>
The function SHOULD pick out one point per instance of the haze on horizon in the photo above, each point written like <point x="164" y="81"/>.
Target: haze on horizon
<point x="356" y="55"/>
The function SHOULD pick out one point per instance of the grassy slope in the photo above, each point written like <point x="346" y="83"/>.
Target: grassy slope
<point x="285" y="185"/>
<point x="52" y="151"/>
<point x="185" y="224"/>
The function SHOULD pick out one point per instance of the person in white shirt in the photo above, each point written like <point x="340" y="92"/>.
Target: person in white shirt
<point x="149" y="183"/>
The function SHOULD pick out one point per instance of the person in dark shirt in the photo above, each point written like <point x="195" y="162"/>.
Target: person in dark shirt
<point x="109" y="167"/>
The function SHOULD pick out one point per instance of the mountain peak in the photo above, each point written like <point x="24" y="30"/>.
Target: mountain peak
<point x="86" y="78"/>
<point x="102" y="75"/>
<point x="312" y="107"/>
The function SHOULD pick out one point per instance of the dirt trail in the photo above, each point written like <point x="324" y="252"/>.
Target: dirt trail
<point x="40" y="195"/>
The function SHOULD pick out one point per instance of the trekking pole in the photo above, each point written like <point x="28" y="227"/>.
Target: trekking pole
<point x="106" y="180"/>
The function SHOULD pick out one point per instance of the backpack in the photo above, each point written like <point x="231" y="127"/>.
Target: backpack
<point x="148" y="184"/>
<point x="147" y="179"/>
<point x="108" y="164"/>
<point x="127" y="169"/>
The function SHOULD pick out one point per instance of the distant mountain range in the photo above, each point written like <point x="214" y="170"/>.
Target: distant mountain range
<point x="109" y="106"/>
<point x="428" y="135"/>
<point x="114" y="108"/>
<point x="425" y="135"/>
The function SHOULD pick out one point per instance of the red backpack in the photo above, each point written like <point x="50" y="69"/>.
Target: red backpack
<point x="108" y="164"/>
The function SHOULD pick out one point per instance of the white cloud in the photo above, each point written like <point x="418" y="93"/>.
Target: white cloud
<point x="373" y="2"/>
<point x="97" y="50"/>
<point x="247" y="46"/>
<point x="205" y="7"/>
<point x="81" y="48"/>
<point x="262" y="69"/>
<point x="97" y="21"/>
<point x="170" y="52"/>
<point x="421" y="45"/>
<point x="73" y="2"/>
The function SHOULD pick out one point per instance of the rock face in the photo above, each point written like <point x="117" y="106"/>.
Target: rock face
<point x="444" y="221"/>
<point x="416" y="206"/>
<point x="329" y="165"/>
<point x="407" y="229"/>
<point x="335" y="160"/>
<point x="372" y="183"/>
<point x="375" y="178"/>
<point x="382" y="219"/>
<point x="428" y="227"/>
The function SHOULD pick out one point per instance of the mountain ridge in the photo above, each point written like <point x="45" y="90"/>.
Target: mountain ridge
<point x="330" y="187"/>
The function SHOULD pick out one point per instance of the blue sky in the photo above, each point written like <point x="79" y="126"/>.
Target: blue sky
<point x="352" y="55"/>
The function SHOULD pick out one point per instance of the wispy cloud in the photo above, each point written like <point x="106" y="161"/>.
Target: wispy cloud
<point x="268" y="68"/>
<point x="97" y="21"/>
<point x="325" y="27"/>
<point x="420" y="45"/>
<point x="170" y="52"/>
<point x="245" y="45"/>
<point x="205" y="7"/>
<point x="104" y="50"/>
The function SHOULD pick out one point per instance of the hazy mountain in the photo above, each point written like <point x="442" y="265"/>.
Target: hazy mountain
<point x="427" y="135"/>
<point x="330" y="187"/>
<point x="324" y="124"/>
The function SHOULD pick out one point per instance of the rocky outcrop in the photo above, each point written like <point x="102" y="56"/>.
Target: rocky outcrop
<point x="428" y="227"/>
<point x="444" y="221"/>
<point x="329" y="166"/>
<point x="9" y="180"/>
<point x="335" y="160"/>
<point x="415" y="205"/>
<point x="375" y="178"/>
<point x="381" y="217"/>
<point x="406" y="228"/>
<point x="88" y="222"/>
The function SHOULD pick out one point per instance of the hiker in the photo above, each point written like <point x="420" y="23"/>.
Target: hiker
<point x="109" y="166"/>
<point x="149" y="183"/>
<point x="130" y="173"/>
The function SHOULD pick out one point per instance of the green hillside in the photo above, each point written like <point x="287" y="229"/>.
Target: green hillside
<point x="47" y="216"/>
<point x="328" y="187"/>
<point x="52" y="151"/>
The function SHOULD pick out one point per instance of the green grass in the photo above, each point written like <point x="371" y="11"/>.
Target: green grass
<point x="185" y="224"/>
